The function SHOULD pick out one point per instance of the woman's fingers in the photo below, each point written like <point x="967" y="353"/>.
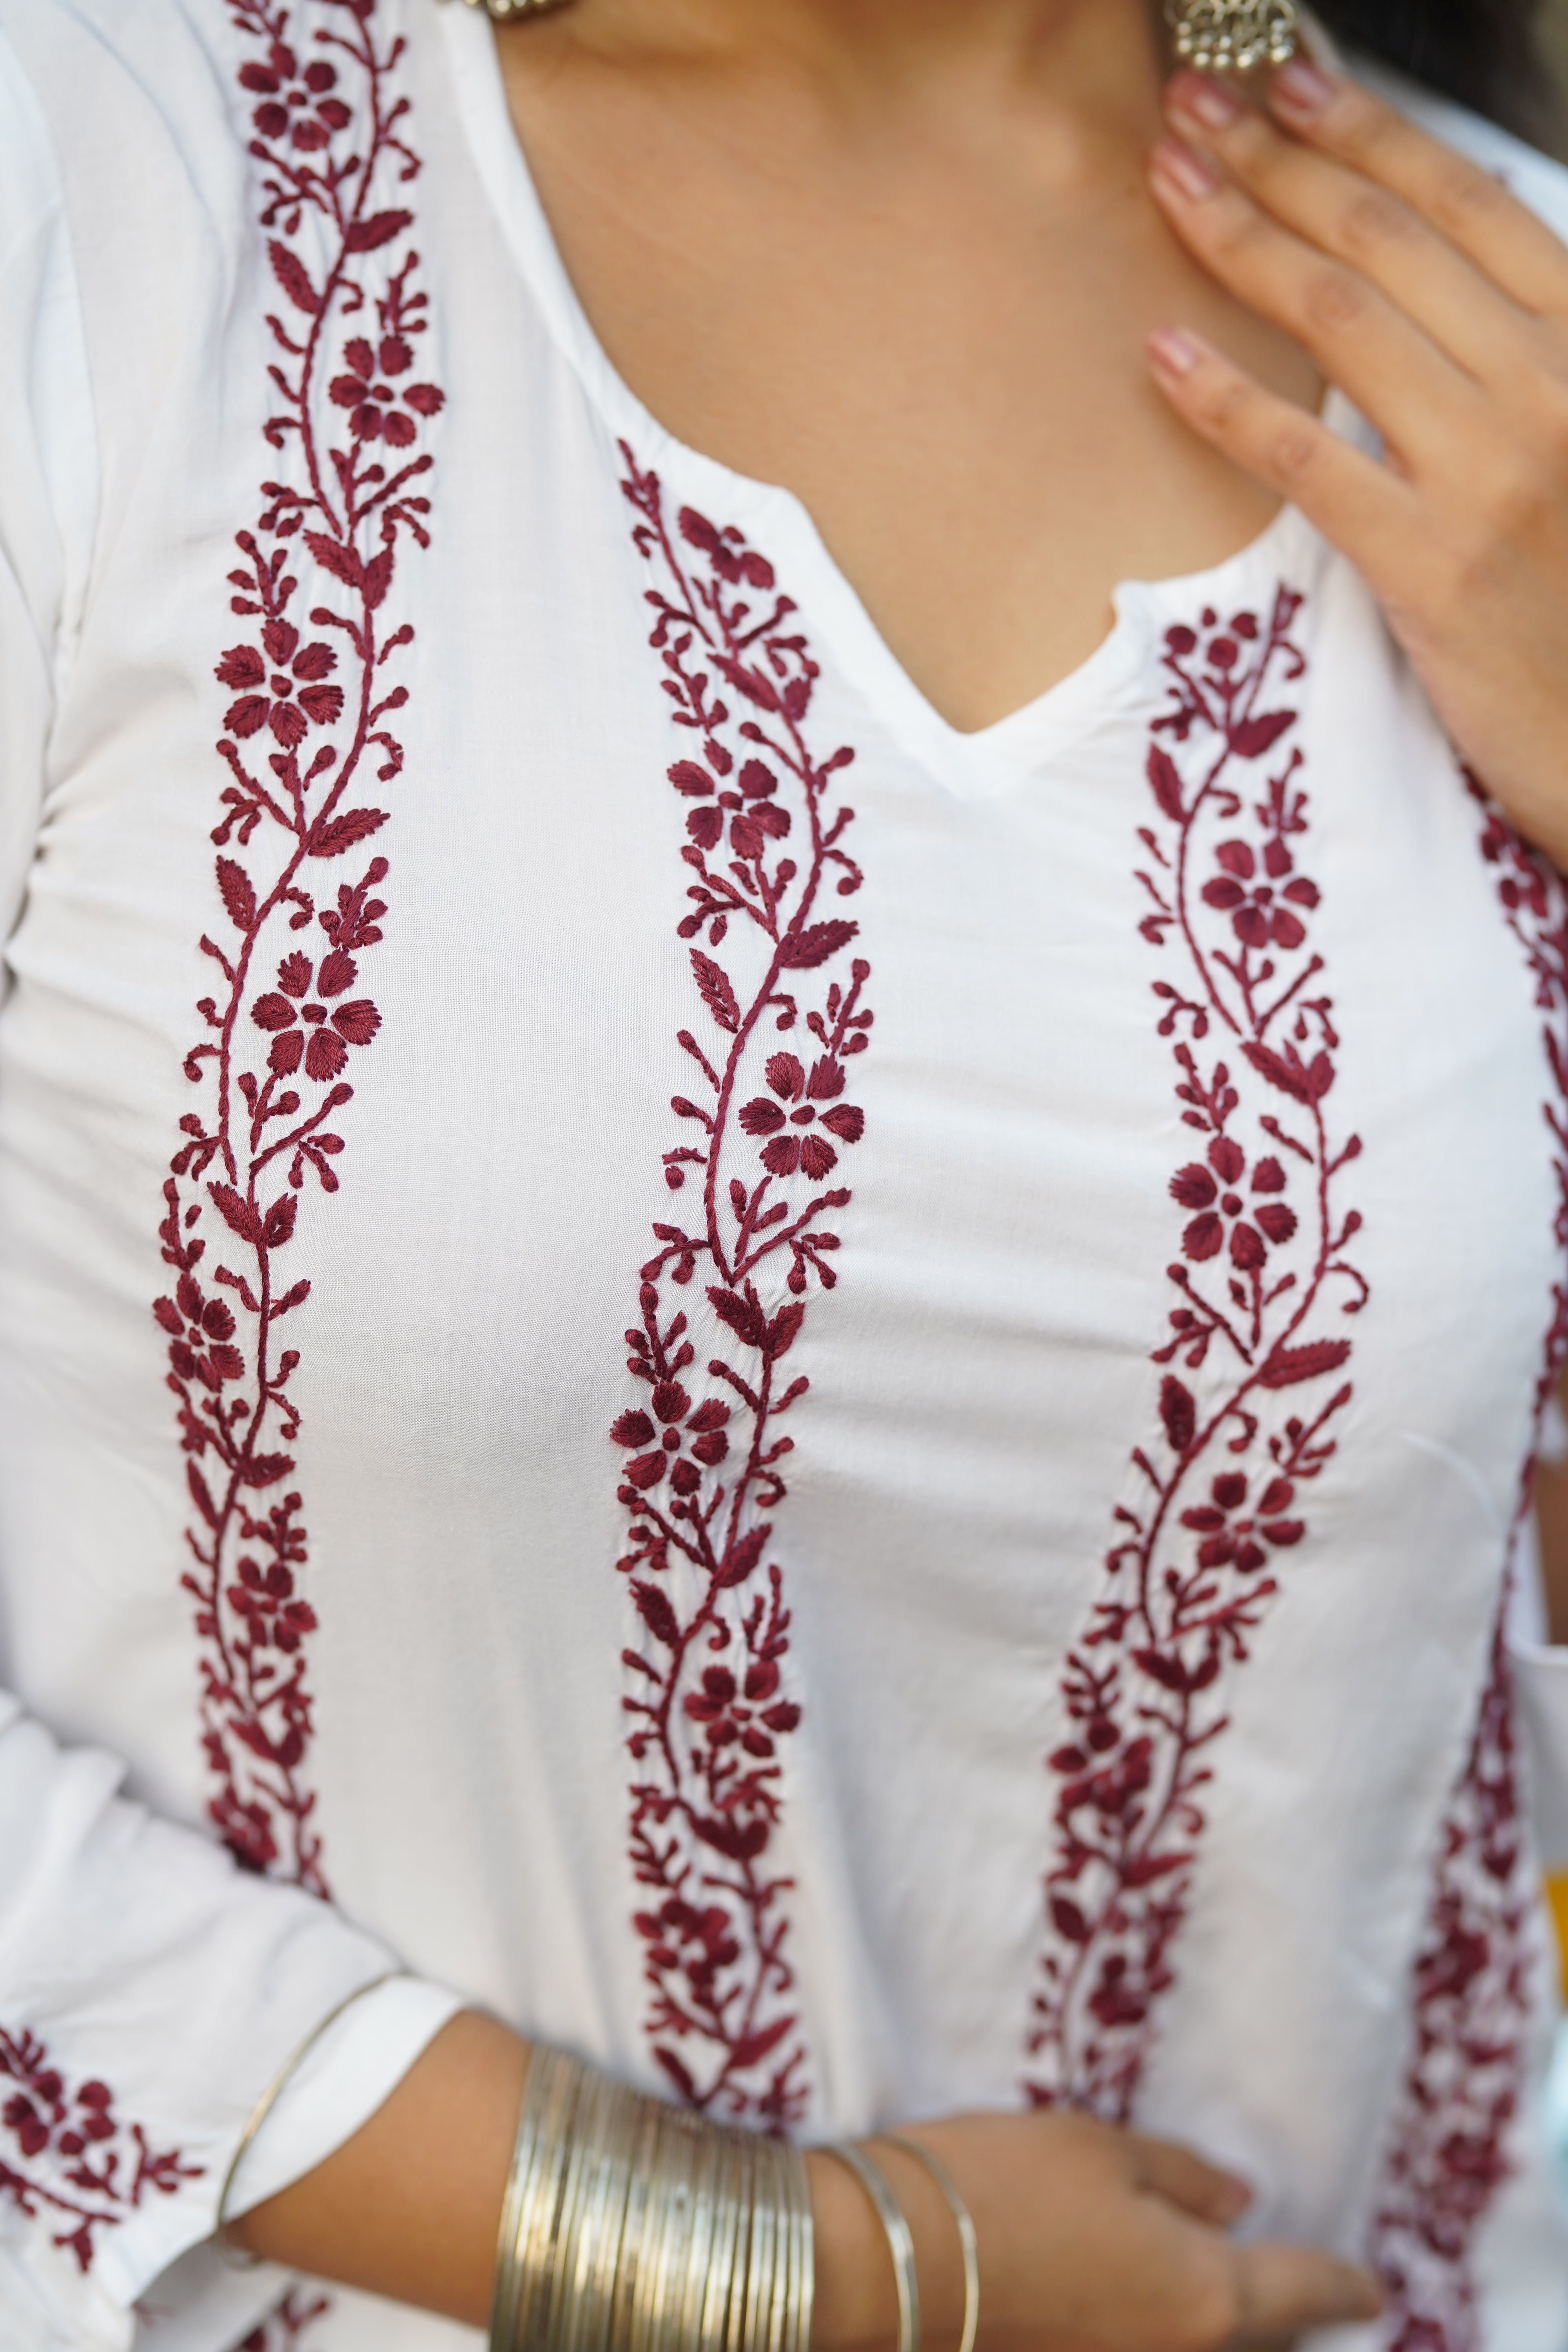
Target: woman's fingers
<point x="1467" y="205"/>
<point x="1362" y="340"/>
<point x="1366" y="226"/>
<point x="1363" y="508"/>
<point x="1283" y="2291"/>
<point x="1187" y="2182"/>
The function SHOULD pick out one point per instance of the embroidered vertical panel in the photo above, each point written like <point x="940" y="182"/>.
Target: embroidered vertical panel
<point x="1470" y="1992"/>
<point x="307" y="754"/>
<point x="67" y="2157"/>
<point x="1252" y="1361"/>
<point x="779" y="1015"/>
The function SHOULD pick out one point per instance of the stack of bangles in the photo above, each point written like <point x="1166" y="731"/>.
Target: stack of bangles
<point x="633" y="2226"/>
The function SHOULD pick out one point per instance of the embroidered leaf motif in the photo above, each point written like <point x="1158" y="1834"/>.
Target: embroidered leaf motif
<point x="338" y="559"/>
<point x="1167" y="784"/>
<point x="339" y="832"/>
<point x="366" y="236"/>
<point x="1308" y="1082"/>
<point x="1252" y="737"/>
<point x="293" y="277"/>
<point x="1178" y="1412"/>
<point x="238" y="897"/>
<point x="236" y="1214"/>
<point x="716" y="992"/>
<point x="805" y="949"/>
<point x="1286" y="1366"/>
<point x="656" y="1614"/>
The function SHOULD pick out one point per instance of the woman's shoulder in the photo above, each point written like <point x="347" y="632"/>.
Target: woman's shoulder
<point x="1535" y="179"/>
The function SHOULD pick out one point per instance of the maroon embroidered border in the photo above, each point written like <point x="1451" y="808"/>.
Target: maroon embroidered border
<point x="710" y="1701"/>
<point x="1262" y="1289"/>
<point x="310" y="701"/>
<point x="1470" y="1995"/>
<point x="72" y="2158"/>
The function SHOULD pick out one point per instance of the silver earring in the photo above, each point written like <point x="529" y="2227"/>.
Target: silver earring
<point x="1234" y="36"/>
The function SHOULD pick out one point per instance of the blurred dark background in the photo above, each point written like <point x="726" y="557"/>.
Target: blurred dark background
<point x="1508" y="58"/>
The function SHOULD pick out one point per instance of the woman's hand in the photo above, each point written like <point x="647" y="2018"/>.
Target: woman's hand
<point x="1440" y="305"/>
<point x="1090" y="2239"/>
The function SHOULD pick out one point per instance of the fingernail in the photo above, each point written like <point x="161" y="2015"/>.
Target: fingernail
<point x="1175" y="354"/>
<point x="1301" y="88"/>
<point x="1188" y="173"/>
<point x="1205" y="101"/>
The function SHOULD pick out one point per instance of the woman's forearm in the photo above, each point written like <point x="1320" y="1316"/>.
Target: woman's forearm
<point x="409" y="2207"/>
<point x="1087" y="2233"/>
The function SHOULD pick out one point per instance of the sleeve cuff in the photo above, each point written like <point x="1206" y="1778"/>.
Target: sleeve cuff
<point x="340" y="2083"/>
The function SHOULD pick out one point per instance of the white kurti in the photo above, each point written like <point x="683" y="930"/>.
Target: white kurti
<point x="835" y="1410"/>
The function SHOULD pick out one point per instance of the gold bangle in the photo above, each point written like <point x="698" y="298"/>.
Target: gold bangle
<point x="895" y="2229"/>
<point x="237" y="2258"/>
<point x="965" y="2223"/>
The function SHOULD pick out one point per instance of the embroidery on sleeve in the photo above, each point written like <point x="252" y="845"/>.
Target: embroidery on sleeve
<point x="709" y="1700"/>
<point x="288" y="1024"/>
<point x="1262" y="1285"/>
<point x="1470" y="1998"/>
<point x="67" y="2156"/>
<point x="284" y="2328"/>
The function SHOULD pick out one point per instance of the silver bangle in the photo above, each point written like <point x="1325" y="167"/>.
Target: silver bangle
<point x="237" y="2258"/>
<point x="628" y="2225"/>
<point x="965" y="2224"/>
<point x="901" y="2244"/>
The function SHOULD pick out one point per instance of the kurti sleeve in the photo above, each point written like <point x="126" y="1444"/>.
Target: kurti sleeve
<point x="148" y="1990"/>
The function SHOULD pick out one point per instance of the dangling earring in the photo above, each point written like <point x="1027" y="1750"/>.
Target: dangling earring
<point x="503" y="11"/>
<point x="1234" y="36"/>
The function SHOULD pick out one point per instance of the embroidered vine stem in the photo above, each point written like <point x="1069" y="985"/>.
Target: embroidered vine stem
<point x="709" y="1704"/>
<point x="1470" y="2004"/>
<point x="1189" y="1581"/>
<point x="327" y="131"/>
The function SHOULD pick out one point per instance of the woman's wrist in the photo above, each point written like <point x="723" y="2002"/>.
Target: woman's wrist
<point x="856" y="2306"/>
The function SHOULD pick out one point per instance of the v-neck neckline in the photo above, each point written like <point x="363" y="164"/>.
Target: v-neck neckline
<point x="974" y="764"/>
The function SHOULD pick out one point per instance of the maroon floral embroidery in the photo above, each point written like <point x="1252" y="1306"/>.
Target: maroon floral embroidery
<point x="285" y="1027"/>
<point x="284" y="2327"/>
<point x="1470" y="1998"/>
<point x="67" y="2155"/>
<point x="710" y="1700"/>
<point x="1262" y="1285"/>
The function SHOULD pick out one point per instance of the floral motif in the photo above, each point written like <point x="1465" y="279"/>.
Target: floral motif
<point x="290" y="717"/>
<point x="1262" y="1284"/>
<point x="327" y="135"/>
<point x="710" y="1699"/>
<point x="375" y="415"/>
<point x="1471" y="1986"/>
<point x="75" y="2160"/>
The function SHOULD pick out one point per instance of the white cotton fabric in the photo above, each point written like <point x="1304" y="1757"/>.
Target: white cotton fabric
<point x="979" y="1377"/>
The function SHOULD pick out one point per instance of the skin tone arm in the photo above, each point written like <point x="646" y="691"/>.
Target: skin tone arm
<point x="1091" y="2240"/>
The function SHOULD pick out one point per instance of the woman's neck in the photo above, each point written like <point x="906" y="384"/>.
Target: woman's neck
<point x="899" y="256"/>
<point x="1088" y="70"/>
